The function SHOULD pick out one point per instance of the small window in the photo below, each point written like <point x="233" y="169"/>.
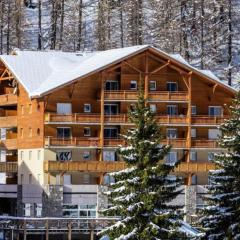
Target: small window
<point x="109" y="155"/>
<point x="215" y="111"/>
<point x="64" y="132"/>
<point x="86" y="155"/>
<point x="152" y="86"/>
<point x="22" y="109"/>
<point x="21" y="132"/>
<point x="39" y="154"/>
<point x="38" y="107"/>
<point x="21" y="155"/>
<point x="27" y="209"/>
<point x="194" y="110"/>
<point x="172" y="87"/>
<point x="38" y="210"/>
<point x="172" y="110"/>
<point x="38" y="132"/>
<point x="171" y="133"/>
<point x="133" y="85"/>
<point x="111" y="85"/>
<point x="30" y="155"/>
<point x="193" y="156"/>
<point x="193" y="132"/>
<point x="30" y="132"/>
<point x="30" y="108"/>
<point x="210" y="156"/>
<point x="86" y="178"/>
<point x="171" y="158"/>
<point x="87" y="107"/>
<point x="87" y="132"/>
<point x="30" y="179"/>
<point x="153" y="108"/>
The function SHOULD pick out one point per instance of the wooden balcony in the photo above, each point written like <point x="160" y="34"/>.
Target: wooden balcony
<point x="8" y="122"/>
<point x="8" y="100"/>
<point x="83" y="166"/>
<point x="9" y="144"/>
<point x="158" y="96"/>
<point x="208" y="120"/>
<point x="8" y="167"/>
<point x="176" y="143"/>
<point x="204" y="143"/>
<point x="72" y="142"/>
<point x="192" y="167"/>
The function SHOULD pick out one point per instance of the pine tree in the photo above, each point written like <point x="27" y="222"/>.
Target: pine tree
<point x="221" y="218"/>
<point x="142" y="192"/>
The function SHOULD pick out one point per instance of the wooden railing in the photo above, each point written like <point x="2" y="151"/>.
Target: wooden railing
<point x="9" y="121"/>
<point x="204" y="143"/>
<point x="176" y="143"/>
<point x="86" y="166"/>
<point x="9" y="144"/>
<point x="123" y="95"/>
<point x="208" y="120"/>
<point x="8" y="99"/>
<point x="8" y="167"/>
<point x="191" y="167"/>
<point x="105" y="166"/>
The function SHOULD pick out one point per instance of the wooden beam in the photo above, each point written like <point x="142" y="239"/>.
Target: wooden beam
<point x="189" y="115"/>
<point x="160" y="68"/>
<point x="146" y="78"/>
<point x="102" y="75"/>
<point x="114" y="67"/>
<point x="24" y="230"/>
<point x="47" y="230"/>
<point x="72" y="90"/>
<point x="214" y="88"/>
<point x="69" y="231"/>
<point x="131" y="66"/>
<point x="6" y="78"/>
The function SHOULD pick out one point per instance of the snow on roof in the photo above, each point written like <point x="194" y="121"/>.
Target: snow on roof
<point x="43" y="71"/>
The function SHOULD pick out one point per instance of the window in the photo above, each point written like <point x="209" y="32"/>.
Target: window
<point x="193" y="110"/>
<point x="110" y="109"/>
<point x="172" y="87"/>
<point x="193" y="132"/>
<point x="86" y="155"/>
<point x="194" y="179"/>
<point x="210" y="156"/>
<point x="38" y="132"/>
<point x="109" y="156"/>
<point x="107" y="179"/>
<point x="87" y="107"/>
<point x="87" y="132"/>
<point x="30" y="132"/>
<point x="111" y="85"/>
<point x="27" y="210"/>
<point x="38" y="210"/>
<point x="21" y="155"/>
<point x="30" y="178"/>
<point x="193" y="156"/>
<point x="64" y="132"/>
<point x="110" y="132"/>
<point x="215" y="111"/>
<point x="152" y="86"/>
<point x="79" y="211"/>
<point x="153" y="108"/>
<point x="172" y="110"/>
<point x="133" y="85"/>
<point x="39" y="154"/>
<point x="67" y="179"/>
<point x="171" y="158"/>
<point x="21" y="178"/>
<point x="30" y="155"/>
<point x="64" y="108"/>
<point x="86" y="178"/>
<point x="171" y="133"/>
<point x="30" y="108"/>
<point x="64" y="155"/>
<point x="213" y="133"/>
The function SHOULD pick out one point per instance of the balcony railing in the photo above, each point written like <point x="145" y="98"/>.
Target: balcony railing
<point x="123" y="95"/>
<point x="7" y="122"/>
<point x="8" y="167"/>
<point x="191" y="167"/>
<point x="208" y="120"/>
<point x="8" y="99"/>
<point x="9" y="144"/>
<point x="86" y="166"/>
<point x="204" y="143"/>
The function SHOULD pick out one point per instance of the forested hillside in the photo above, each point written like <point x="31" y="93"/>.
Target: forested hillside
<point x="205" y="32"/>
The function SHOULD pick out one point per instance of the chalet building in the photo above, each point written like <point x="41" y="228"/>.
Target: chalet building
<point x="62" y="113"/>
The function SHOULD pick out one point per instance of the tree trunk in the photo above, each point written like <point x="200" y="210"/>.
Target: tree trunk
<point x="229" y="61"/>
<point x="61" y="25"/>
<point x="79" y="40"/>
<point x="39" y="24"/>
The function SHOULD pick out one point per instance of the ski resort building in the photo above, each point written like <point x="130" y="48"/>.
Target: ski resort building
<point x="62" y="113"/>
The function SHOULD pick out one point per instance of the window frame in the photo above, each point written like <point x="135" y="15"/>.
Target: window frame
<point x="155" y="85"/>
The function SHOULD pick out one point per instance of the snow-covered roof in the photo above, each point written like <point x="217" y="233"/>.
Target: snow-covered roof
<point x="43" y="71"/>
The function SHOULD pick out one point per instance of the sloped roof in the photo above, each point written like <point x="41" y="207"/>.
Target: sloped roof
<point x="43" y="71"/>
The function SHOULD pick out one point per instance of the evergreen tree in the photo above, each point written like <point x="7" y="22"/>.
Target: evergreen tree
<point x="221" y="219"/>
<point x="142" y="192"/>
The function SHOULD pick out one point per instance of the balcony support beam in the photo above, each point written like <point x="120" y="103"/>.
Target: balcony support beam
<point x="102" y="115"/>
<point x="146" y="78"/>
<point x="160" y="68"/>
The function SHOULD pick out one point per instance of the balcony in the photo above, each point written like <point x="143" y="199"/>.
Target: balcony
<point x="204" y="143"/>
<point x="83" y="166"/>
<point x="176" y="143"/>
<point x="8" y="100"/>
<point x="156" y="96"/>
<point x="207" y="120"/>
<point x="9" y="144"/>
<point x="8" y="122"/>
<point x="191" y="167"/>
<point x="8" y="167"/>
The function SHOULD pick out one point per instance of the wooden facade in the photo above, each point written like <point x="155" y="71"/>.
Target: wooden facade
<point x="38" y="123"/>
